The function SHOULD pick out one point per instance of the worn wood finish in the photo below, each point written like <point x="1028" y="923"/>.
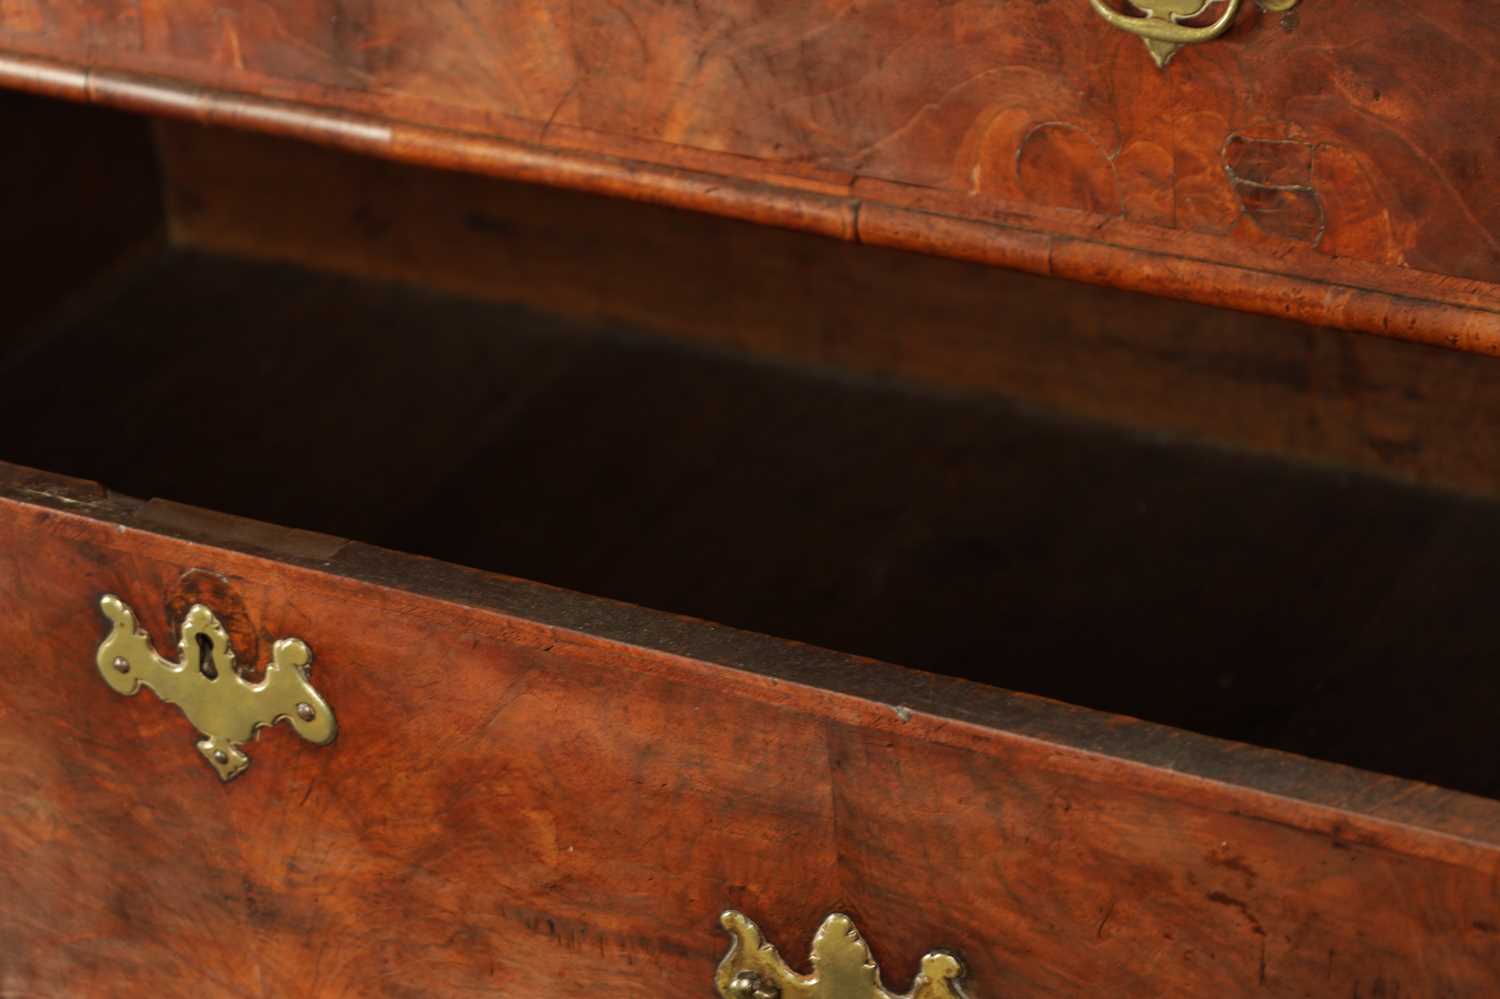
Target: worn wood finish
<point x="537" y="793"/>
<point x="1324" y="166"/>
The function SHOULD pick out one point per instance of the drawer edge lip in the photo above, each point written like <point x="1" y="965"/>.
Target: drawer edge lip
<point x="1429" y="308"/>
<point x="1345" y="803"/>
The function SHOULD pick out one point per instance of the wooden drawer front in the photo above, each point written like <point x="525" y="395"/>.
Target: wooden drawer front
<point x="1346" y="150"/>
<point x="535" y="793"/>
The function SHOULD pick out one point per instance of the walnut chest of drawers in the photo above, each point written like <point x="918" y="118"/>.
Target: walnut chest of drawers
<point x="519" y="401"/>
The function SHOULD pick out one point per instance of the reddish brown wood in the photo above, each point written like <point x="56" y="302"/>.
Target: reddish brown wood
<point x="1397" y="409"/>
<point x="538" y="793"/>
<point x="1326" y="166"/>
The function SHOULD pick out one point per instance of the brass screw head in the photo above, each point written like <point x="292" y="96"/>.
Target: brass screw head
<point x="749" y="985"/>
<point x="121" y="664"/>
<point x="305" y="712"/>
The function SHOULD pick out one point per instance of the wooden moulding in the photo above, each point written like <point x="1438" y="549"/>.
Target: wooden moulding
<point x="1416" y="306"/>
<point x="541" y="793"/>
<point x="1419" y="413"/>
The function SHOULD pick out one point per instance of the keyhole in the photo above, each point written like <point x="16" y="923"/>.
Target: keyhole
<point x="206" y="657"/>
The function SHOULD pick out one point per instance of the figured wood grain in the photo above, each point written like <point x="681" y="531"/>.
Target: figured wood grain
<point x="1325" y="166"/>
<point x="537" y="793"/>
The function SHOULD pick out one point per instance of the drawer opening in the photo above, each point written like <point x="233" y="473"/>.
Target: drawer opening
<point x="1243" y="527"/>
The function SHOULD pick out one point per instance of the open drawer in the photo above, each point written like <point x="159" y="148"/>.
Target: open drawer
<point x="468" y="404"/>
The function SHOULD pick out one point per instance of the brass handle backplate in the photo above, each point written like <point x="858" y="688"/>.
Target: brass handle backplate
<point x="842" y="967"/>
<point x="1162" y="25"/>
<point x="205" y="683"/>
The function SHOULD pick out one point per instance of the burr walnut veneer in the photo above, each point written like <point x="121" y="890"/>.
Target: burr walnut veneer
<point x="573" y="497"/>
<point x="1336" y="163"/>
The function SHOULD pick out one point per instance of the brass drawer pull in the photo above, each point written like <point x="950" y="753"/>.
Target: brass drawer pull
<point x="843" y="967"/>
<point x="222" y="705"/>
<point x="1161" y="27"/>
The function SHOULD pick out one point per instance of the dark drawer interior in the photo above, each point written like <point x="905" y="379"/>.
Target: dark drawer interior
<point x="1242" y="527"/>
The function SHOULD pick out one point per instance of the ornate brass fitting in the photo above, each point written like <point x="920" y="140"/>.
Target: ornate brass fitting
<point x="1162" y="27"/>
<point x="843" y="967"/>
<point x="224" y="707"/>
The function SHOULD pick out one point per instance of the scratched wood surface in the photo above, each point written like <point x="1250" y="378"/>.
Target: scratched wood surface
<point x="538" y="793"/>
<point x="1335" y="164"/>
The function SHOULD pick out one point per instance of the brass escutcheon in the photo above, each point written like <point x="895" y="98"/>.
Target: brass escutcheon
<point x="205" y="683"/>
<point x="1162" y="27"/>
<point x="842" y="967"/>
